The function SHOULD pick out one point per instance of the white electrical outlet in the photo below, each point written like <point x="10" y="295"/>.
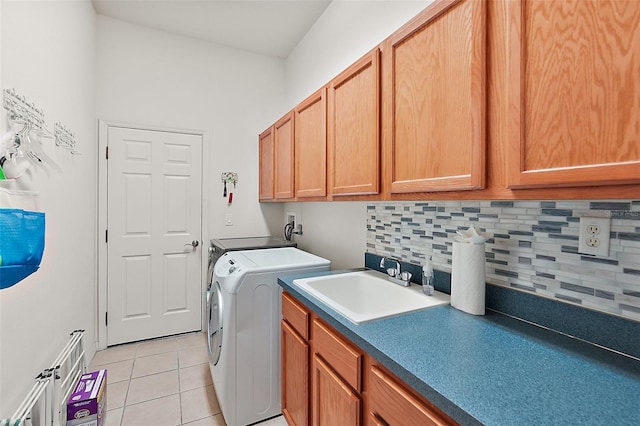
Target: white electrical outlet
<point x="594" y="235"/>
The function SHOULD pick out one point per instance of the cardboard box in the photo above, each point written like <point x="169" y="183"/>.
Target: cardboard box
<point x="87" y="404"/>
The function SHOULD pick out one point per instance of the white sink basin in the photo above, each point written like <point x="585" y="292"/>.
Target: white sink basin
<point x="368" y="295"/>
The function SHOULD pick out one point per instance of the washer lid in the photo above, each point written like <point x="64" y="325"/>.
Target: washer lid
<point x="251" y="243"/>
<point x="281" y="259"/>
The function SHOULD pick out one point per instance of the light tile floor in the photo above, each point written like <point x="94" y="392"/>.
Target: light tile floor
<point x="161" y="382"/>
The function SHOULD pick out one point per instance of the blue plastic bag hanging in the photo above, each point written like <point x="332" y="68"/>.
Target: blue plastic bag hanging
<point x="21" y="244"/>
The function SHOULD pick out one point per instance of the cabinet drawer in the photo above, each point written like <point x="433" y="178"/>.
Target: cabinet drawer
<point x="343" y="357"/>
<point x="296" y="315"/>
<point x="392" y="404"/>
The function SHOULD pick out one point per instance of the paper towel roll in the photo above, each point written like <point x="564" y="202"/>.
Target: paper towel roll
<point x="468" y="278"/>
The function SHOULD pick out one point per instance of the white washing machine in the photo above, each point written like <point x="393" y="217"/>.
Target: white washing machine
<point x="243" y="329"/>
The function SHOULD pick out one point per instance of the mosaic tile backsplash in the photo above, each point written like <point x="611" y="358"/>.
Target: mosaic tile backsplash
<point x="534" y="246"/>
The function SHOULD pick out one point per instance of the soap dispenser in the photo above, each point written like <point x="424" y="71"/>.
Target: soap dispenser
<point x="427" y="278"/>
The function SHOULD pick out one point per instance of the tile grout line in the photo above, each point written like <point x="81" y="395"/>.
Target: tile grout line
<point x="124" y="403"/>
<point x="179" y="388"/>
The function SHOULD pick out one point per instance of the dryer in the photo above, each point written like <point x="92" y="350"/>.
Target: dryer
<point x="243" y="329"/>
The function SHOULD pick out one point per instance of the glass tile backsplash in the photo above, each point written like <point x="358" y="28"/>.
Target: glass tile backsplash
<point x="534" y="246"/>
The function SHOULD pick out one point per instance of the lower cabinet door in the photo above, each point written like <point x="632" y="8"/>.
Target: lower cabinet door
<point x="295" y="377"/>
<point x="334" y="402"/>
<point x="392" y="404"/>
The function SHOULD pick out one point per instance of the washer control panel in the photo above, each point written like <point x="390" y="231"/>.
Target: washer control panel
<point x="232" y="266"/>
<point x="228" y="265"/>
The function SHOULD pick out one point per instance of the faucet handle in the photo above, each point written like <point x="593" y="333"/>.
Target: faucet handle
<point x="402" y="278"/>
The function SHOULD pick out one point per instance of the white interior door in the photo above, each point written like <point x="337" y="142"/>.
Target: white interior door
<point x="154" y="215"/>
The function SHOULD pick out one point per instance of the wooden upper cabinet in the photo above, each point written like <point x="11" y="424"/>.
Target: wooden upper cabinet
<point x="434" y="79"/>
<point x="354" y="128"/>
<point x="574" y="93"/>
<point x="311" y="146"/>
<point x="284" y="150"/>
<point x="265" y="148"/>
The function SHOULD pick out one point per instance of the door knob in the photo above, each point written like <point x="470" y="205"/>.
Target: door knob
<point x="194" y="243"/>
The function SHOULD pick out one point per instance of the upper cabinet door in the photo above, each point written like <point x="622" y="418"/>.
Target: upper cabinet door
<point x="265" y="147"/>
<point x="311" y="146"/>
<point x="283" y="145"/>
<point x="354" y="128"/>
<point x="434" y="79"/>
<point x="574" y="93"/>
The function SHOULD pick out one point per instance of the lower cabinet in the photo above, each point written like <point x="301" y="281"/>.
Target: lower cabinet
<point x="337" y="378"/>
<point x="334" y="402"/>
<point x="295" y="376"/>
<point x="327" y="380"/>
<point x="391" y="403"/>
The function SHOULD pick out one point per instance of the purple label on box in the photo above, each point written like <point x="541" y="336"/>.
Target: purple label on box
<point x="85" y="399"/>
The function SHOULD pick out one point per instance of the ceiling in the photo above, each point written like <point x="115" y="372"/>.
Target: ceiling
<point x="268" y="27"/>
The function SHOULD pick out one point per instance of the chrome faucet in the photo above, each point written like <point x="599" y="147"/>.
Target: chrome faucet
<point x="395" y="274"/>
<point x="391" y="271"/>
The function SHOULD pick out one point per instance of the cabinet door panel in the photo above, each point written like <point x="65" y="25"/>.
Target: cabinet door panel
<point x="354" y="128"/>
<point x="574" y="97"/>
<point x="345" y="359"/>
<point x="296" y="314"/>
<point x="334" y="402"/>
<point x="434" y="100"/>
<point x="295" y="377"/>
<point x="265" y="147"/>
<point x="376" y="420"/>
<point x="284" y="151"/>
<point x="311" y="146"/>
<point x="392" y="404"/>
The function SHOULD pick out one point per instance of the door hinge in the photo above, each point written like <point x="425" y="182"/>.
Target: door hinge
<point x="106" y="235"/>
<point x="107" y="153"/>
<point x="106" y="319"/>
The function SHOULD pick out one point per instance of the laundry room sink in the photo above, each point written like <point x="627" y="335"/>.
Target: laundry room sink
<point x="368" y="295"/>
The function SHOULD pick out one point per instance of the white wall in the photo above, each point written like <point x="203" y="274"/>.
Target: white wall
<point x="346" y="31"/>
<point x="48" y="55"/>
<point x="159" y="79"/>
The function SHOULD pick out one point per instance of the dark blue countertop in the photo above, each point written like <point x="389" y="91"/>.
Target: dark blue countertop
<point x="494" y="369"/>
